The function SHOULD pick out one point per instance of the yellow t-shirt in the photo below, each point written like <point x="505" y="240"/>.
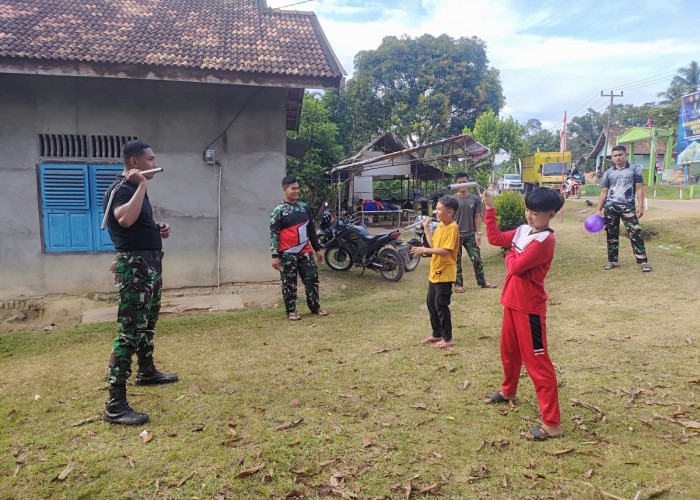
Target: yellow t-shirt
<point x="443" y="268"/>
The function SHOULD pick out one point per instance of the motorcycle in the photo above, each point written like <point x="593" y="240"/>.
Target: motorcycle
<point x="325" y="232"/>
<point x="352" y="245"/>
<point x="572" y="187"/>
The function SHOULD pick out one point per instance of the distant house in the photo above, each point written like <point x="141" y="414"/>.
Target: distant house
<point x="211" y="84"/>
<point x="642" y="149"/>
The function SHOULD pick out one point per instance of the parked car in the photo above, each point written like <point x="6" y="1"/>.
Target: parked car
<point x="510" y="182"/>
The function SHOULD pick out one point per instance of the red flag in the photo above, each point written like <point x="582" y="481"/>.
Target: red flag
<point x="562" y="135"/>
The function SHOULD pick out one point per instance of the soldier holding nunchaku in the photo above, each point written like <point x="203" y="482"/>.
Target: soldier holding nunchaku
<point x="137" y="272"/>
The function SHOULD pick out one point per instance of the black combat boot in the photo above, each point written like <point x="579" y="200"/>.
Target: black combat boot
<point x="118" y="411"/>
<point x="148" y="375"/>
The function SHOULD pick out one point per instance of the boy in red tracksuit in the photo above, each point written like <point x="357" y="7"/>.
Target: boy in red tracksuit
<point x="524" y="333"/>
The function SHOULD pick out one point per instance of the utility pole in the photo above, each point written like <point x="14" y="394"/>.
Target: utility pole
<point x="612" y="95"/>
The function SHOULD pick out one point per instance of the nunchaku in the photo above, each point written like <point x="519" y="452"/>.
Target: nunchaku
<point x="111" y="195"/>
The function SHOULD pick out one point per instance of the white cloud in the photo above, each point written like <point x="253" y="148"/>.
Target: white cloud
<point x="548" y="58"/>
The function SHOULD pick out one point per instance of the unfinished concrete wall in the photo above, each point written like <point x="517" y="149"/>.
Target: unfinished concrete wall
<point x="179" y="120"/>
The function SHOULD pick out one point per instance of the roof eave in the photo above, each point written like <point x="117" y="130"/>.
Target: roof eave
<point x="166" y="73"/>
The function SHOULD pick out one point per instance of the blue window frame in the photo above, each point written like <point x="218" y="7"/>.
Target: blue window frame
<point x="71" y="203"/>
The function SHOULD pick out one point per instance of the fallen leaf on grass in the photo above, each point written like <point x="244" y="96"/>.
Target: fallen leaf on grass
<point x="295" y="494"/>
<point x="419" y="406"/>
<point x="531" y="465"/>
<point x="184" y="479"/>
<point x="366" y="442"/>
<point x="131" y="461"/>
<point x="199" y="428"/>
<point x="465" y="385"/>
<point x="588" y="473"/>
<point x="433" y="488"/>
<point x="64" y="473"/>
<point x="424" y="422"/>
<point x="295" y="442"/>
<point x="380" y="351"/>
<point x="661" y="492"/>
<point x="249" y="472"/>
<point x="494" y="444"/>
<point x="85" y="421"/>
<point x="257" y="455"/>
<point x="294" y="403"/>
<point x="480" y="472"/>
<point x="146" y="436"/>
<point x="504" y="482"/>
<point x="231" y="431"/>
<point x="327" y="463"/>
<point x="556" y="453"/>
<point x="288" y="425"/>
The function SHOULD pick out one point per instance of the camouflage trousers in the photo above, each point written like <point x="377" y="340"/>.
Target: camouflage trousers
<point x="304" y="265"/>
<point x="138" y="276"/>
<point x="469" y="243"/>
<point x="612" y="215"/>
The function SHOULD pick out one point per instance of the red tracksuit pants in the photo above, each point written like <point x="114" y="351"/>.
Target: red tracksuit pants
<point x="524" y="341"/>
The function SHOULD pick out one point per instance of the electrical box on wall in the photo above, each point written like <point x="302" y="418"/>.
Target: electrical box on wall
<point x="209" y="156"/>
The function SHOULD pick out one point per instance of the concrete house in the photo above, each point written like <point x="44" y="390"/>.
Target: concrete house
<point x="212" y="84"/>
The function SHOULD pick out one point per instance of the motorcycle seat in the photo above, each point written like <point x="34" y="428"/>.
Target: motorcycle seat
<point x="372" y="238"/>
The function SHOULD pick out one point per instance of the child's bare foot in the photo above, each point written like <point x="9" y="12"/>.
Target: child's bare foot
<point x="428" y="340"/>
<point x="542" y="433"/>
<point x="499" y="397"/>
<point x="444" y="345"/>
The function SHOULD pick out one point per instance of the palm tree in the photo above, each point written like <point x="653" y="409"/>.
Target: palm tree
<point x="685" y="82"/>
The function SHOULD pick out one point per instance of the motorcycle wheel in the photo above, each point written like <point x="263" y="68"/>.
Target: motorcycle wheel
<point x="393" y="264"/>
<point x="577" y="192"/>
<point x="411" y="263"/>
<point x="338" y="259"/>
<point x="321" y="238"/>
<point x="566" y="194"/>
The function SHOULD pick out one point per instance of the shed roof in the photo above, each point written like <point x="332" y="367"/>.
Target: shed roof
<point x="229" y="41"/>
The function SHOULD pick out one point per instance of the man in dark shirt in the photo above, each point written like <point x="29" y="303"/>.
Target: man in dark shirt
<point x="137" y="271"/>
<point x="621" y="184"/>
<point x="292" y="237"/>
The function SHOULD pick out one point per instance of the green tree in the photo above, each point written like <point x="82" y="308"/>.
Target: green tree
<point x="315" y="128"/>
<point x="540" y="138"/>
<point x="500" y="136"/>
<point x="685" y="82"/>
<point x="423" y="88"/>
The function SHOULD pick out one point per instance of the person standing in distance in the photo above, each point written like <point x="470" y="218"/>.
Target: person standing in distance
<point x="468" y="218"/>
<point x="620" y="185"/>
<point x="292" y="237"/>
<point x="137" y="270"/>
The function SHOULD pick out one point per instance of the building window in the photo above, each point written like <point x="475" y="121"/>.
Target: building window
<point x="71" y="206"/>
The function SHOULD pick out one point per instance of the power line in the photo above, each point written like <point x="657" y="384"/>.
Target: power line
<point x="293" y="4"/>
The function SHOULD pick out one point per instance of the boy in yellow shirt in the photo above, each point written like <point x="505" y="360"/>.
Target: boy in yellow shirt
<point x="444" y="245"/>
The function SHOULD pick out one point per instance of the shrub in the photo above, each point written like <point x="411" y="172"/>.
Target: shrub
<point x="510" y="210"/>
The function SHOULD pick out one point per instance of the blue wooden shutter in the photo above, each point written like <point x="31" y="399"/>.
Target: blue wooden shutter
<point x="101" y="177"/>
<point x="66" y="208"/>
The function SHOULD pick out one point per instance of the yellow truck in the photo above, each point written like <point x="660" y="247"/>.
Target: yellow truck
<point x="544" y="169"/>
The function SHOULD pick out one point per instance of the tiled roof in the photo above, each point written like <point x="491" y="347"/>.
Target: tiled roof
<point x="640" y="147"/>
<point x="222" y="36"/>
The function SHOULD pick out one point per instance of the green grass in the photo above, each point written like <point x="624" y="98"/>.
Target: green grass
<point x="361" y="374"/>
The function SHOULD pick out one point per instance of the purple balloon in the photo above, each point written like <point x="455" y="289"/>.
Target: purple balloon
<point x="594" y="223"/>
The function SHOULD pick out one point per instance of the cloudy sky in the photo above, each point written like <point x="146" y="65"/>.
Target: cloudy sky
<point x="552" y="55"/>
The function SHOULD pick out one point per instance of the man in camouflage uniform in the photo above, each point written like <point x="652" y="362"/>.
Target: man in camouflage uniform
<point x="138" y="276"/>
<point x="620" y="184"/>
<point x="292" y="236"/>
<point x="468" y="218"/>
